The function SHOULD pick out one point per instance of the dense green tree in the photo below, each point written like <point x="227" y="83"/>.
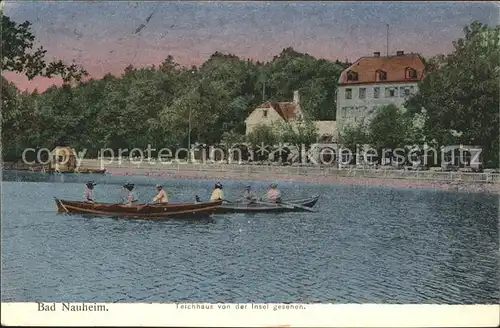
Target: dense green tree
<point x="17" y="41"/>
<point x="232" y="140"/>
<point x="21" y="118"/>
<point x="20" y="121"/>
<point x="389" y="128"/>
<point x="262" y="140"/>
<point x="301" y="133"/>
<point x="315" y="79"/>
<point x="459" y="94"/>
<point x="390" y="131"/>
<point x="352" y="136"/>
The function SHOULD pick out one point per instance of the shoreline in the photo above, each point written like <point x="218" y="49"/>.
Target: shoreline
<point x="469" y="187"/>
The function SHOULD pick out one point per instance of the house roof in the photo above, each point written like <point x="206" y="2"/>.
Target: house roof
<point x="394" y="66"/>
<point x="286" y="110"/>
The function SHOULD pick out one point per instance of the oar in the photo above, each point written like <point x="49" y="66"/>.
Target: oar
<point x="135" y="201"/>
<point x="300" y="206"/>
<point x="143" y="206"/>
<point x="275" y="204"/>
<point x="289" y="206"/>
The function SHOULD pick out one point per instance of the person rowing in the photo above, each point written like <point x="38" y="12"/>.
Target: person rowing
<point x="217" y="193"/>
<point x="248" y="195"/>
<point x="130" y="198"/>
<point x="274" y="194"/>
<point x="87" y="196"/>
<point x="161" y="196"/>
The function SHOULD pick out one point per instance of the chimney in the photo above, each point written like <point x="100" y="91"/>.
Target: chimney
<point x="400" y="53"/>
<point x="376" y="54"/>
<point x="296" y="98"/>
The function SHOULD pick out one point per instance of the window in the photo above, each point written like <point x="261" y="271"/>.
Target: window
<point x="380" y="75"/>
<point x="362" y="93"/>
<point x="352" y="76"/>
<point x="264" y="112"/>
<point x="345" y="112"/>
<point x="406" y="92"/>
<point x="348" y="93"/>
<point x="376" y="92"/>
<point x="390" y="92"/>
<point x="410" y="73"/>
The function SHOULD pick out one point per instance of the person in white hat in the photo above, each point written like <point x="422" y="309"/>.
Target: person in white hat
<point x="248" y="195"/>
<point x="162" y="196"/>
<point x="274" y="194"/>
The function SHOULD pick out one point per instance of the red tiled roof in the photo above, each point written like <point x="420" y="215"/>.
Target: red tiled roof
<point x="394" y="66"/>
<point x="287" y="110"/>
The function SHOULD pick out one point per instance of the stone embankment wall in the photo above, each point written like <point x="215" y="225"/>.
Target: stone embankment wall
<point x="468" y="182"/>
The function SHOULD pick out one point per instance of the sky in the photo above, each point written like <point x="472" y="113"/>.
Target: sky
<point x="104" y="37"/>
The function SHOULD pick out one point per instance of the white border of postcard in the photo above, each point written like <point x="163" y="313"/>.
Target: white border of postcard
<point x="248" y="315"/>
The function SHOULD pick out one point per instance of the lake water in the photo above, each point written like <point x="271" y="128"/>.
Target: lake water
<point x="365" y="245"/>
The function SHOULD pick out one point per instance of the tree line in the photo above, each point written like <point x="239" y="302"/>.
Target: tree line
<point x="152" y="105"/>
<point x="457" y="101"/>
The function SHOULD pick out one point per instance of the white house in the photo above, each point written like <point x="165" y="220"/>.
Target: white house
<point x="376" y="81"/>
<point x="270" y="113"/>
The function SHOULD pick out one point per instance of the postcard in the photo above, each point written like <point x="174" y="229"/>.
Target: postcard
<point x="250" y="164"/>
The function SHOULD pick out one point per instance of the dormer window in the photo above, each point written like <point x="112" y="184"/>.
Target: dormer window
<point x="410" y="73"/>
<point x="352" y="76"/>
<point x="380" y="75"/>
<point x="264" y="113"/>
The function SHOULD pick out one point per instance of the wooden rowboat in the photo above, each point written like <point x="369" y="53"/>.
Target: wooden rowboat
<point x="79" y="171"/>
<point x="90" y="171"/>
<point x="140" y="211"/>
<point x="268" y="207"/>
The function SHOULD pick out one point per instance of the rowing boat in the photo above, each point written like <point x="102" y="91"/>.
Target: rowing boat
<point x="140" y="211"/>
<point x="79" y="171"/>
<point x="268" y="207"/>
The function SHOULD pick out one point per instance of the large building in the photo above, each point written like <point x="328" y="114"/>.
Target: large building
<point x="376" y="81"/>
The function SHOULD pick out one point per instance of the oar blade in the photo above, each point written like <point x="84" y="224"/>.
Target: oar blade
<point x="308" y="209"/>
